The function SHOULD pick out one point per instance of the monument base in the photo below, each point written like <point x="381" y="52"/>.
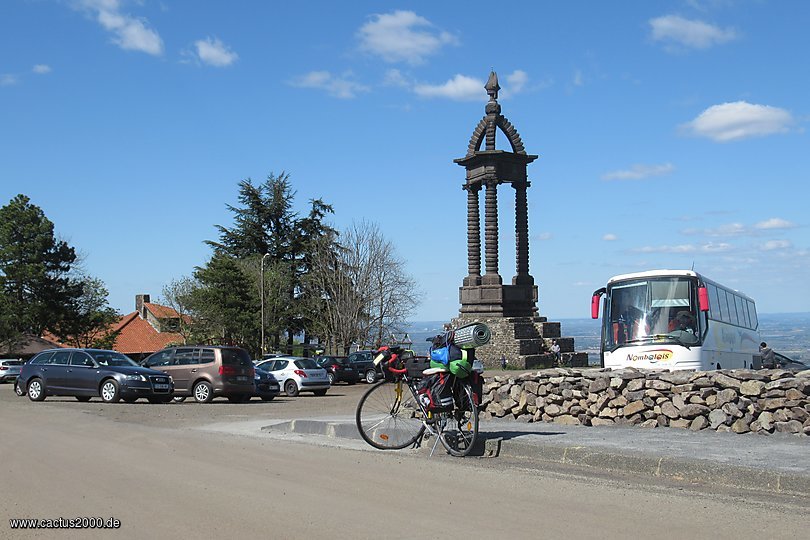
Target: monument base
<point x="525" y="342"/>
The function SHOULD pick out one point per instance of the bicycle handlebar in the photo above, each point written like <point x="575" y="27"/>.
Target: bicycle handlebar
<point x="384" y="352"/>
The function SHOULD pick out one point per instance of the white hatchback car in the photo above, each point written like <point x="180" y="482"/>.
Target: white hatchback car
<point x="296" y="374"/>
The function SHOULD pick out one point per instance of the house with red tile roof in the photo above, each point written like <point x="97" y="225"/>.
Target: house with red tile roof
<point x="148" y="329"/>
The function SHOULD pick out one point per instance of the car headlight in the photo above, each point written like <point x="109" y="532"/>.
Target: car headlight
<point x="135" y="378"/>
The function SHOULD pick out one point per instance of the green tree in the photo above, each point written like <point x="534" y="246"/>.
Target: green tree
<point x="224" y="304"/>
<point x="34" y="270"/>
<point x="89" y="318"/>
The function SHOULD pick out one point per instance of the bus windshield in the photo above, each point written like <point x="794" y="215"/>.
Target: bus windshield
<point x="655" y="310"/>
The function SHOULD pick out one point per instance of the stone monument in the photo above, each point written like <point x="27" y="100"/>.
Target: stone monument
<point x="510" y="310"/>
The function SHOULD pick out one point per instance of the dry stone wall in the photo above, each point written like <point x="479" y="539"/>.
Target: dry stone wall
<point x="739" y="401"/>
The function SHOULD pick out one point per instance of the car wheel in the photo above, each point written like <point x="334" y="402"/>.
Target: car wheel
<point x="18" y="389"/>
<point x="331" y="377"/>
<point x="371" y="376"/>
<point x="110" y="391"/>
<point x="36" y="390"/>
<point x="179" y="399"/>
<point x="268" y="398"/>
<point x="83" y="399"/>
<point x="319" y="392"/>
<point x="291" y="388"/>
<point x="203" y="392"/>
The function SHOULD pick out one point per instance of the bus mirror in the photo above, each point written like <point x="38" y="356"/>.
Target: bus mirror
<point x="595" y="306"/>
<point x="703" y="298"/>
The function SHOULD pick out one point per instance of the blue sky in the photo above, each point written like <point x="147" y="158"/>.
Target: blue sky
<point x="670" y="134"/>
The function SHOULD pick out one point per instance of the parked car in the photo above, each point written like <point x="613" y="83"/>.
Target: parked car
<point x="296" y="374"/>
<point x="9" y="369"/>
<point x="266" y="384"/>
<point x="206" y="372"/>
<point x="363" y="363"/>
<point x="88" y="373"/>
<point x="338" y="369"/>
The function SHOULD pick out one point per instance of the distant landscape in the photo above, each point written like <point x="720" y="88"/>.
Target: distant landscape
<point x="787" y="333"/>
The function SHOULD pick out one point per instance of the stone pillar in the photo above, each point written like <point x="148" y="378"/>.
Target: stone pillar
<point x="473" y="236"/>
<point x="521" y="235"/>
<point x="491" y="234"/>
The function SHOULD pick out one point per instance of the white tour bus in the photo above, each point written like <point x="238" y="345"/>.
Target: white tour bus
<point x="675" y="319"/>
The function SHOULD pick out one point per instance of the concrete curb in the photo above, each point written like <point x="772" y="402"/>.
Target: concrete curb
<point x="690" y="471"/>
<point x="590" y="455"/>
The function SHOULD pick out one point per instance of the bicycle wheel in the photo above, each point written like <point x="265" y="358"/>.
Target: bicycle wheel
<point x="460" y="426"/>
<point x="388" y="416"/>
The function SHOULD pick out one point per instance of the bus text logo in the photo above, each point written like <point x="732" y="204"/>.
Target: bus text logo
<point x="658" y="355"/>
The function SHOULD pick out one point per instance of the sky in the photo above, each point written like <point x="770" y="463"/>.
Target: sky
<point x="670" y="134"/>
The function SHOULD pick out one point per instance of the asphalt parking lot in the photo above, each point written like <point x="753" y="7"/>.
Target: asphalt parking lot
<point x="340" y="400"/>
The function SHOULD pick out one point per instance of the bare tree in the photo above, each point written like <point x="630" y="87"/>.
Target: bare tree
<point x="177" y="295"/>
<point x="365" y="294"/>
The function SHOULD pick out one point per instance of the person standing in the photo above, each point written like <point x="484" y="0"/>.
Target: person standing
<point x="503" y="361"/>
<point x="555" y="348"/>
<point x="768" y="356"/>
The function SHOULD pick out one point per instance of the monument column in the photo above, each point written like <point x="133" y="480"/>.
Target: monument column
<point x="522" y="276"/>
<point x="491" y="277"/>
<point x="473" y="236"/>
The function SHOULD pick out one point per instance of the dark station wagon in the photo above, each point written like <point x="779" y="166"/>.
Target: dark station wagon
<point x="88" y="373"/>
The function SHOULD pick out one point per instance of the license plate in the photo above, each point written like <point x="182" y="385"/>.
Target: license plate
<point x="241" y="379"/>
<point x="273" y="387"/>
<point x="161" y="387"/>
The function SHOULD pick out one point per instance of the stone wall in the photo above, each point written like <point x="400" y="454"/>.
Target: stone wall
<point x="738" y="401"/>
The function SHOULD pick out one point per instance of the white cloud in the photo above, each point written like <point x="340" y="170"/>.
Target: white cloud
<point x="772" y="245"/>
<point x="686" y="248"/>
<point x="459" y="88"/>
<point x="610" y="237"/>
<point x="339" y="87"/>
<point x="544" y="236"/>
<point x="639" y="172"/>
<point x="402" y="36"/>
<point x="394" y="77"/>
<point x="676" y="30"/>
<point x="41" y="69"/>
<point x="739" y="120"/>
<point x="213" y="52"/>
<point x="578" y="80"/>
<point x="517" y="81"/>
<point x="774" y="223"/>
<point x="130" y="33"/>
<point x="8" y="79"/>
<point x="729" y="229"/>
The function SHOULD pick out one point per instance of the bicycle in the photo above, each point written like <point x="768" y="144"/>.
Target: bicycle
<point x="390" y="415"/>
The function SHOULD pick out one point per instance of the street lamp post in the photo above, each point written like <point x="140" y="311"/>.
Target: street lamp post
<point x="261" y="293"/>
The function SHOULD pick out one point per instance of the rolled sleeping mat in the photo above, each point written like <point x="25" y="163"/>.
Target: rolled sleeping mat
<point x="472" y="335"/>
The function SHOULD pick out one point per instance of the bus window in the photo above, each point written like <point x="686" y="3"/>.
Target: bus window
<point x="752" y="313"/>
<point x="721" y="295"/>
<point x="732" y="308"/>
<point x="714" y="304"/>
<point x="742" y="311"/>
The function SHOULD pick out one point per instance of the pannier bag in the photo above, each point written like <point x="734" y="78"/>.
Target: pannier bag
<point x="445" y="355"/>
<point x="436" y="392"/>
<point x="460" y="367"/>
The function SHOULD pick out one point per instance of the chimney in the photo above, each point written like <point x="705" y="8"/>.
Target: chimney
<point x="140" y="299"/>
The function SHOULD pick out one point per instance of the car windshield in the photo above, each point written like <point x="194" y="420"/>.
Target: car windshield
<point x="111" y="358"/>
<point x="12" y="362"/>
<point x="306" y="363"/>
